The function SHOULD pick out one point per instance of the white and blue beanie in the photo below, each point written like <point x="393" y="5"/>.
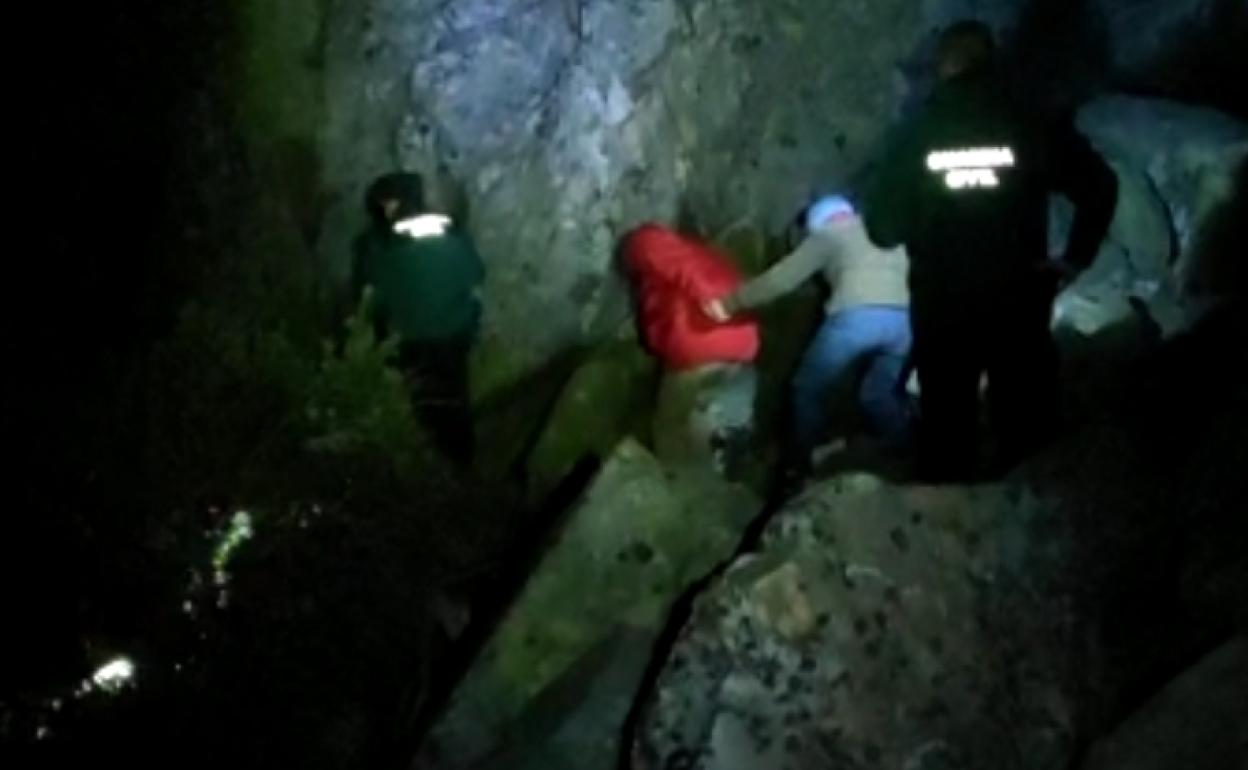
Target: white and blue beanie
<point x="822" y="211"/>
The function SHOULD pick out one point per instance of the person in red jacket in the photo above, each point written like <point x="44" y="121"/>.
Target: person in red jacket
<point x="674" y="275"/>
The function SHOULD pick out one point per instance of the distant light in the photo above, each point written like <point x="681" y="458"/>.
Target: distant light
<point x="239" y="532"/>
<point x="423" y="226"/>
<point x="114" y="675"/>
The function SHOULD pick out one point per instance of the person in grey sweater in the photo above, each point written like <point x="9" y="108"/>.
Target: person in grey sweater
<point x="866" y="328"/>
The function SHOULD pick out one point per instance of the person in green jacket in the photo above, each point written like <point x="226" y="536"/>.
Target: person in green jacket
<point x="426" y="277"/>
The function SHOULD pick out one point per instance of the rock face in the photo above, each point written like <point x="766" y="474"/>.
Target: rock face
<point x="705" y="418"/>
<point x="1176" y="169"/>
<point x="604" y="400"/>
<point x="1189" y="156"/>
<point x="566" y="123"/>
<point x="553" y="686"/>
<point x="1196" y="722"/>
<point x="877" y="627"/>
<point x="1163" y="44"/>
<point x="553" y="126"/>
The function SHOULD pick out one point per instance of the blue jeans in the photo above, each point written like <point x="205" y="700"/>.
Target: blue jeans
<point x="873" y="337"/>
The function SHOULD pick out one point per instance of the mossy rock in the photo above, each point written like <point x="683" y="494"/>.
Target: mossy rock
<point x="508" y="419"/>
<point x="746" y="245"/>
<point x="568" y="645"/>
<point x="704" y="415"/>
<point x="608" y="397"/>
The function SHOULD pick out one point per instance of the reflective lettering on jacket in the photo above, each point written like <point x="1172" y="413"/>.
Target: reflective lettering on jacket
<point x="423" y="226"/>
<point x="970" y="167"/>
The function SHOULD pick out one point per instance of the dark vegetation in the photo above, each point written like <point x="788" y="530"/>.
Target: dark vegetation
<point x="181" y="362"/>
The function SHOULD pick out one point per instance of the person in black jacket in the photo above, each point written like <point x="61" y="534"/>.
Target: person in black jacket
<point x="965" y="188"/>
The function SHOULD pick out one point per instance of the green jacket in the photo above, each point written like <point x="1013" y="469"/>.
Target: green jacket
<point x="423" y="288"/>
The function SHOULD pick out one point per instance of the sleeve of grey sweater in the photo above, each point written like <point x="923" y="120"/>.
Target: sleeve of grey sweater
<point x="814" y="254"/>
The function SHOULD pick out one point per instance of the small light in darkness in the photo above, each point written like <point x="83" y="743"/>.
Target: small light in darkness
<point x="114" y="675"/>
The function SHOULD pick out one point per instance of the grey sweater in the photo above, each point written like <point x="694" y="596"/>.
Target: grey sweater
<point x="858" y="271"/>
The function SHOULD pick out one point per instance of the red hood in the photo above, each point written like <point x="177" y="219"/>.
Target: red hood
<point x="652" y="243"/>
<point x="674" y="274"/>
<point x="652" y="250"/>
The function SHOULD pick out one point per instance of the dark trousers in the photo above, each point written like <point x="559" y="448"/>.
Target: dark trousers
<point x="436" y="372"/>
<point x="1004" y="337"/>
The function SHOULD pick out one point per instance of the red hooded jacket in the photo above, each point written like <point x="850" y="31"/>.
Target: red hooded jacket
<point x="674" y="275"/>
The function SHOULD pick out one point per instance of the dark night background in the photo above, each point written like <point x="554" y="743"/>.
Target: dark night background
<point x="102" y="123"/>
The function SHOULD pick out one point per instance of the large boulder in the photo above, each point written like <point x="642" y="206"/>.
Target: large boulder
<point x="986" y="627"/>
<point x="876" y="627"/>
<point x="1190" y="155"/>
<point x="1176" y="168"/>
<point x="554" y="684"/>
<point x="1195" y="722"/>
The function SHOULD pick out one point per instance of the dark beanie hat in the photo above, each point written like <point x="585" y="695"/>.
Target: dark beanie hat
<point x="405" y="187"/>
